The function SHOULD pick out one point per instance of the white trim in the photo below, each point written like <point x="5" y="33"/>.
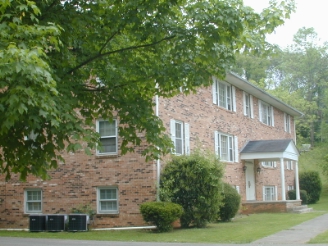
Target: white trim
<point x="26" y="201"/>
<point x="111" y="136"/>
<point x="115" y="200"/>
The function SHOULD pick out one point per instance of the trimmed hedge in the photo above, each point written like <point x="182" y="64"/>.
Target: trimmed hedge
<point x="161" y="214"/>
<point x="311" y="182"/>
<point x="303" y="194"/>
<point x="231" y="203"/>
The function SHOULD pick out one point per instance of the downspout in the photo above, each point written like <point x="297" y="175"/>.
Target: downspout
<point x="158" y="161"/>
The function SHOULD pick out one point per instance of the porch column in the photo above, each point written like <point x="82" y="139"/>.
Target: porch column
<point x="297" y="185"/>
<point x="282" y="172"/>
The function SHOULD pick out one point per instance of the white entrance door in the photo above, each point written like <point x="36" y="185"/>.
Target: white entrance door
<point x="250" y="181"/>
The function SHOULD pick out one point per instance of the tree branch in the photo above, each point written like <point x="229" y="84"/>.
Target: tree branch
<point x="99" y="55"/>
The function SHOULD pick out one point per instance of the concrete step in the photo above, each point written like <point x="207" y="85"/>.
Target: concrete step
<point x="301" y="209"/>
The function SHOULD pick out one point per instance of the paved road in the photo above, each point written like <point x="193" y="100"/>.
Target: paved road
<point x="295" y="236"/>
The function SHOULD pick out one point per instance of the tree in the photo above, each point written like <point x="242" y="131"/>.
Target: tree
<point x="303" y="81"/>
<point x="194" y="182"/>
<point x="66" y="63"/>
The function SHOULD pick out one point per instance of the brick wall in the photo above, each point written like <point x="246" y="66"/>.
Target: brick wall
<point x="75" y="182"/>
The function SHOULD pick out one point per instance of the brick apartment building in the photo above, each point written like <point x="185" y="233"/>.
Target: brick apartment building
<point x="251" y="131"/>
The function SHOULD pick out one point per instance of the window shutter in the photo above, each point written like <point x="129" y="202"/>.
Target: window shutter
<point x="285" y="121"/>
<point x="291" y="165"/>
<point x="172" y="129"/>
<point x="236" y="149"/>
<point x="233" y="99"/>
<point x="274" y="164"/>
<point x="214" y="91"/>
<point x="216" y="143"/>
<point x="251" y="105"/>
<point x="187" y="139"/>
<point x="276" y="193"/>
<point x="272" y="116"/>
<point x="260" y="111"/>
<point x="244" y="103"/>
<point x="264" y="195"/>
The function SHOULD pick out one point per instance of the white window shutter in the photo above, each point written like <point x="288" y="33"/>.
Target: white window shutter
<point x="260" y="111"/>
<point x="244" y="103"/>
<point x="236" y="149"/>
<point x="276" y="193"/>
<point x="291" y="165"/>
<point x="216" y="143"/>
<point x="285" y="121"/>
<point x="187" y="139"/>
<point x="251" y="105"/>
<point x="274" y="164"/>
<point x="214" y="91"/>
<point x="272" y="112"/>
<point x="263" y="191"/>
<point x="233" y="92"/>
<point x="172" y="130"/>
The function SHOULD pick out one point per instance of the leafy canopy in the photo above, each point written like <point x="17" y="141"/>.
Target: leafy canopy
<point x="65" y="63"/>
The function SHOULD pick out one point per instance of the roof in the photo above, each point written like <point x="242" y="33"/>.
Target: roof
<point x="270" y="149"/>
<point x="250" y="88"/>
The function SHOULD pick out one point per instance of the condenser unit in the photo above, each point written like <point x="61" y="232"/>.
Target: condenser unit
<point x="78" y="222"/>
<point x="37" y="222"/>
<point x="56" y="222"/>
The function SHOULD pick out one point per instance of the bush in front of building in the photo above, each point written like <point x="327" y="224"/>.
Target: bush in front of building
<point x="161" y="214"/>
<point x="311" y="182"/>
<point x="230" y="203"/>
<point x="194" y="182"/>
<point x="303" y="195"/>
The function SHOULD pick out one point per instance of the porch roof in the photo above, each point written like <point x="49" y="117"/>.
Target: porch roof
<point x="270" y="150"/>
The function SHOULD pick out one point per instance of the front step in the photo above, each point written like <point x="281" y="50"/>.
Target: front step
<point x="301" y="209"/>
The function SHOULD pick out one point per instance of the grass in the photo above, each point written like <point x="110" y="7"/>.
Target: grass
<point x="243" y="229"/>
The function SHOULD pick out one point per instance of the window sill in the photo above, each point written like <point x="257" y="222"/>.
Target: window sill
<point x="106" y="156"/>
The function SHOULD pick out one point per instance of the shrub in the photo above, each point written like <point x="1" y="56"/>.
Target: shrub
<point x="194" y="182"/>
<point x="161" y="214"/>
<point x="311" y="182"/>
<point x="231" y="203"/>
<point x="303" y="194"/>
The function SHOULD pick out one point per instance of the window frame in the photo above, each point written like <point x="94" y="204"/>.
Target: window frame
<point x="231" y="146"/>
<point x="224" y="95"/>
<point x="99" y="200"/>
<point x="269" y="164"/>
<point x="248" y="105"/>
<point x="289" y="165"/>
<point x="273" y="191"/>
<point x="184" y="138"/>
<point x="27" y="201"/>
<point x="266" y="113"/>
<point x="287" y="125"/>
<point x="100" y="153"/>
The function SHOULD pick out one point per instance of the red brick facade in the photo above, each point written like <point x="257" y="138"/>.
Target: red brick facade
<point x="76" y="182"/>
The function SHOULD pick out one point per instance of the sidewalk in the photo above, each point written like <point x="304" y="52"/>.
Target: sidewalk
<point x="299" y="234"/>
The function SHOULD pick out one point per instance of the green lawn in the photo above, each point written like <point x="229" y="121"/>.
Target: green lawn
<point x="243" y="229"/>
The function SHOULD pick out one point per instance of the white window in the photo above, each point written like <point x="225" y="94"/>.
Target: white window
<point x="290" y="187"/>
<point x="266" y="113"/>
<point x="224" y="95"/>
<point x="269" y="193"/>
<point x="269" y="164"/>
<point x="226" y="147"/>
<point x="107" y="200"/>
<point x="108" y="137"/>
<point x="33" y="201"/>
<point x="248" y="105"/>
<point x="287" y="122"/>
<point x="180" y="137"/>
<point x="289" y="165"/>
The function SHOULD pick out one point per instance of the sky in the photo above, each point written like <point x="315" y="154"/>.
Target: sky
<point x="309" y="13"/>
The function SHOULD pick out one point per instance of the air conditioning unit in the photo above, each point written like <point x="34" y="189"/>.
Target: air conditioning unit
<point x="78" y="222"/>
<point x="56" y="222"/>
<point x="38" y="222"/>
